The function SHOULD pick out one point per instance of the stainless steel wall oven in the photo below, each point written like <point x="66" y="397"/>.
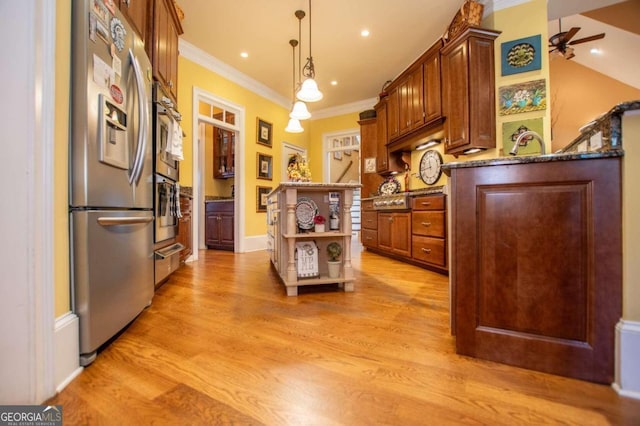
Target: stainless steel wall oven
<point x="166" y="167"/>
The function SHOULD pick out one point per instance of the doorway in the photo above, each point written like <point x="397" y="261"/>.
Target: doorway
<point x="216" y="119"/>
<point x="343" y="166"/>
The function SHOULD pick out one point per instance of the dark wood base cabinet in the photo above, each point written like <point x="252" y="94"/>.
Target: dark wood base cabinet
<point x="219" y="225"/>
<point x="537" y="263"/>
<point x="184" y="228"/>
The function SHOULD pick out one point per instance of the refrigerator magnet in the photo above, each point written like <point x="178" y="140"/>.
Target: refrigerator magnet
<point x="118" y="33"/>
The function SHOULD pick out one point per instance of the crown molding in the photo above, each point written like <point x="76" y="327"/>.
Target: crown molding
<point x="213" y="64"/>
<point x="202" y="58"/>
<point x="357" y="106"/>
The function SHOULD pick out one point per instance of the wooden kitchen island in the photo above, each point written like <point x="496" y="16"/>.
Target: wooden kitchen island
<point x="286" y="207"/>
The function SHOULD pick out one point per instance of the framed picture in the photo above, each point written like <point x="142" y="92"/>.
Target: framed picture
<point x="523" y="97"/>
<point x="521" y="55"/>
<point x="265" y="132"/>
<point x="337" y="155"/>
<point x="511" y="131"/>
<point x="261" y="198"/>
<point x="264" y="166"/>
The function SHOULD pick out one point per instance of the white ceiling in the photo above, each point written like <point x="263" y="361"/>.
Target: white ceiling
<point x="401" y="31"/>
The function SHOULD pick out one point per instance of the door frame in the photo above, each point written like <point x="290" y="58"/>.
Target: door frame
<point x="198" y="213"/>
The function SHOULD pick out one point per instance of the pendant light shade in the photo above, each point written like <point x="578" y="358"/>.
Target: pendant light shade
<point x="294" y="123"/>
<point x="294" y="126"/>
<point x="300" y="111"/>
<point x="309" y="91"/>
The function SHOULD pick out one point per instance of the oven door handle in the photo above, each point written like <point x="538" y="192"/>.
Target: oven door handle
<point x="169" y="251"/>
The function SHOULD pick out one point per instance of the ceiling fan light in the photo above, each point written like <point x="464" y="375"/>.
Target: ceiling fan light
<point x="309" y="91"/>
<point x="300" y="111"/>
<point x="294" y="126"/>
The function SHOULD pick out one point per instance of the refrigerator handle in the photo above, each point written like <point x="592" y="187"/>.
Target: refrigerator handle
<point x="114" y="221"/>
<point x="143" y="112"/>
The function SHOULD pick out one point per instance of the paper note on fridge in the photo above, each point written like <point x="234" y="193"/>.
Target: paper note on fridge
<point x="103" y="74"/>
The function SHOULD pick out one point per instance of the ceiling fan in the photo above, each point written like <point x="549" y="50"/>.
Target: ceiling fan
<point x="562" y="43"/>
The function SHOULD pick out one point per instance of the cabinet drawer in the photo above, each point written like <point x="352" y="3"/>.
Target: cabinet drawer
<point x="367" y="205"/>
<point x="428" y="202"/>
<point x="369" y="238"/>
<point x="370" y="220"/>
<point x="428" y="223"/>
<point x="429" y="249"/>
<point x="219" y="206"/>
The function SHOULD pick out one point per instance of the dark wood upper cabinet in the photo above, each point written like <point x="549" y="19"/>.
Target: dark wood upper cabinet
<point x="164" y="50"/>
<point x="138" y="13"/>
<point x="468" y="91"/>
<point x="432" y="102"/>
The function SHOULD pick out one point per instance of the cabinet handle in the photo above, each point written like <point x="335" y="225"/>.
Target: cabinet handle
<point x="369" y="238"/>
<point x="426" y="250"/>
<point x="426" y="203"/>
<point x="426" y="223"/>
<point x="390" y="219"/>
<point x="171" y="83"/>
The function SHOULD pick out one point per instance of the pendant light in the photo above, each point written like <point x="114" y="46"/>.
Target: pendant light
<point x="294" y="124"/>
<point x="299" y="110"/>
<point x="309" y="90"/>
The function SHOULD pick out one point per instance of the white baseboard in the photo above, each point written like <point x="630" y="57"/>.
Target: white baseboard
<point x="66" y="350"/>
<point x="255" y="243"/>
<point x="627" y="382"/>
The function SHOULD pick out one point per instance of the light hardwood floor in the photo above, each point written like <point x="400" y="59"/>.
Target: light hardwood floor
<point x="223" y="344"/>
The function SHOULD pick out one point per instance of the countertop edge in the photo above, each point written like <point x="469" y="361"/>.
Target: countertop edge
<point x="527" y="159"/>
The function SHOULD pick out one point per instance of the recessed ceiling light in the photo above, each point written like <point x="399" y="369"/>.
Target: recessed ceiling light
<point x="334" y="83"/>
<point x="364" y="33"/>
<point x="595" y="51"/>
<point x="244" y="54"/>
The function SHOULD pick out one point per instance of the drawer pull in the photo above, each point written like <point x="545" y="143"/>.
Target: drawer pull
<point x="426" y="223"/>
<point x="426" y="250"/>
<point x="426" y="203"/>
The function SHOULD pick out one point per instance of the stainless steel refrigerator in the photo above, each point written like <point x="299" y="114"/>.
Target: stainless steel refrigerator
<point x="110" y="174"/>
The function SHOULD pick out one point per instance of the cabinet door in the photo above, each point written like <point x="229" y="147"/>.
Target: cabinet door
<point x="136" y="12"/>
<point x="393" y="130"/>
<point x="401" y="233"/>
<point x="432" y="91"/>
<point x="416" y="107"/>
<point x="382" y="163"/>
<point x="455" y="101"/>
<point x="223" y="153"/>
<point x="226" y="230"/>
<point x="394" y="233"/>
<point x="405" y="102"/>
<point x="212" y="228"/>
<point x="165" y="41"/>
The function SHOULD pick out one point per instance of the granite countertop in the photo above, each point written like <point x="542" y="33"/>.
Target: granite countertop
<point x="315" y="186"/>
<point x="440" y="189"/>
<point x="186" y="191"/>
<point x="215" y="199"/>
<point x="525" y="159"/>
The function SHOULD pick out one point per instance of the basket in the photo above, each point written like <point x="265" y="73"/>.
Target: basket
<point x="469" y="15"/>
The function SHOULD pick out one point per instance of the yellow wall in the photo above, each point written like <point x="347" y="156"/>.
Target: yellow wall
<point x="630" y="221"/>
<point x="517" y="22"/>
<point x="61" y="159"/>
<point x="318" y="128"/>
<point x="193" y="75"/>
<point x="569" y="80"/>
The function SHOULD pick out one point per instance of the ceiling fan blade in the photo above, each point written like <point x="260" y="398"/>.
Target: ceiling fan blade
<point x="586" y="39"/>
<point x="569" y="35"/>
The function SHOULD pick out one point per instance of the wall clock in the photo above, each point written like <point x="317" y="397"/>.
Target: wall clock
<point x="430" y="166"/>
